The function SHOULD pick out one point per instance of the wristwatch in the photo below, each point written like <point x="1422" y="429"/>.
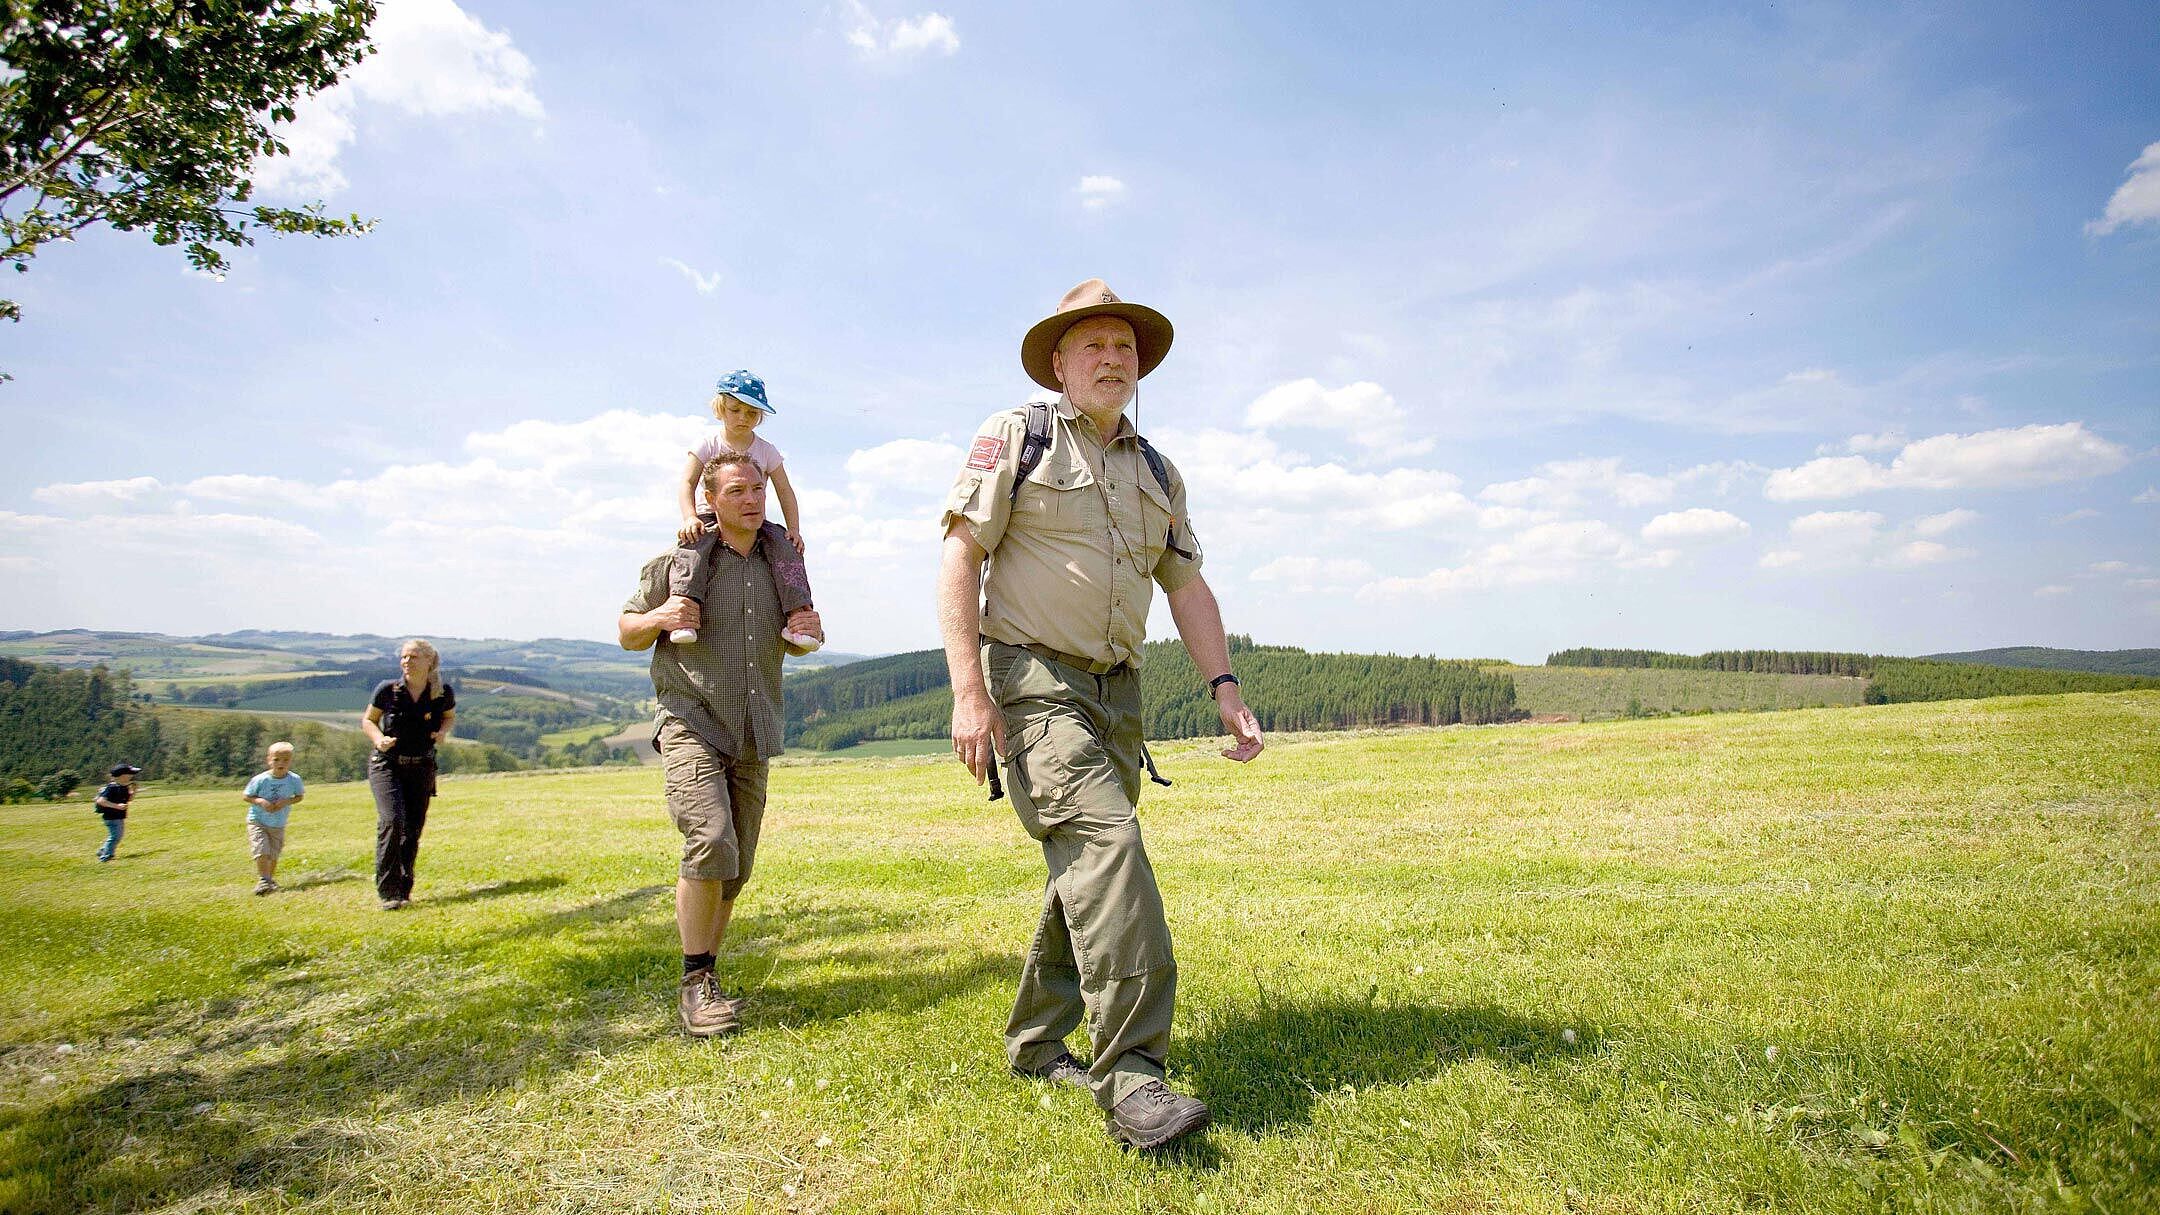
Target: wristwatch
<point x="1219" y="681"/>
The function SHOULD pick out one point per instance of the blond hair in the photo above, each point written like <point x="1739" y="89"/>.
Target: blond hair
<point x="720" y="399"/>
<point x="433" y="686"/>
<point x="284" y="748"/>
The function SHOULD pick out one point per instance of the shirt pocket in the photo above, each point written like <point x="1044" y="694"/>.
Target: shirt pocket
<point x="1059" y="498"/>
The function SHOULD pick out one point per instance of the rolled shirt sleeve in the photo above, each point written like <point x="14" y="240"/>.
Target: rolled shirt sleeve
<point x="983" y="492"/>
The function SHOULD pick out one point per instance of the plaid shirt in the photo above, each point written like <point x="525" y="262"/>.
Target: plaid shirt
<point x="725" y="686"/>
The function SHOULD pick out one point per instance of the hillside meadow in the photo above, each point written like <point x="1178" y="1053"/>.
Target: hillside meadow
<point x="1889" y="958"/>
<point x="1603" y="693"/>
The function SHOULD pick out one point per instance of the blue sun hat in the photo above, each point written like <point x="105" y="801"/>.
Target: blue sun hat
<point x="745" y="386"/>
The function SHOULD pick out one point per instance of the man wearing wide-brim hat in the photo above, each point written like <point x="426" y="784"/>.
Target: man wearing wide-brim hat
<point x="1043" y="594"/>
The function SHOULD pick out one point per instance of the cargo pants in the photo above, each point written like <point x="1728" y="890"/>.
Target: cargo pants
<point x="1102" y="947"/>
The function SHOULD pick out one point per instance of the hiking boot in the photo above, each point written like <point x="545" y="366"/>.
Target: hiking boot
<point x="705" y="1012"/>
<point x="1062" y="1070"/>
<point x="265" y="886"/>
<point x="1151" y="1116"/>
<point x="392" y="904"/>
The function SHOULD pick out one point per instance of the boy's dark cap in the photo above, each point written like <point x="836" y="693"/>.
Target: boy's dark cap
<point x="124" y="770"/>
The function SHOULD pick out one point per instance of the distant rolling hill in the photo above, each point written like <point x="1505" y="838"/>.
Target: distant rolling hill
<point x="2046" y="658"/>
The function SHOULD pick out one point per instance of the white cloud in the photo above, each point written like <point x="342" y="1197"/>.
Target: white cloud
<point x="432" y="60"/>
<point x="551" y="518"/>
<point x="2147" y="498"/>
<point x="1364" y="411"/>
<point x="1569" y="483"/>
<point x="2137" y="200"/>
<point x="1844" y="528"/>
<point x="2050" y="591"/>
<point x="2078" y="515"/>
<point x="1871" y="444"/>
<point x="1310" y="574"/>
<point x="1780" y="558"/>
<point x="1547" y="552"/>
<point x="706" y="284"/>
<point x="907" y="465"/>
<point x="1099" y="190"/>
<point x="1697" y="525"/>
<point x="1921" y="552"/>
<point x="1944" y="523"/>
<point x="2110" y="567"/>
<point x="97" y="495"/>
<point x="899" y="37"/>
<point x="1993" y="459"/>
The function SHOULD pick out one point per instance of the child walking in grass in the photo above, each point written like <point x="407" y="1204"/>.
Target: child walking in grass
<point x="112" y="806"/>
<point x="270" y="797"/>
<point x="740" y="405"/>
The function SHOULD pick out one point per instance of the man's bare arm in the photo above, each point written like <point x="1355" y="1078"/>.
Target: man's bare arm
<point x="639" y="630"/>
<point x="978" y="729"/>
<point x="1199" y="622"/>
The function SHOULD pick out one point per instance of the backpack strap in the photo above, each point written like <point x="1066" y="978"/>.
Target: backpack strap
<point x="1032" y="447"/>
<point x="1161" y="470"/>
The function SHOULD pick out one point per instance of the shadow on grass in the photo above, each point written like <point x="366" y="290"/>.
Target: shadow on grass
<point x="321" y="877"/>
<point x="260" y="1092"/>
<point x="496" y="890"/>
<point x="1262" y="1069"/>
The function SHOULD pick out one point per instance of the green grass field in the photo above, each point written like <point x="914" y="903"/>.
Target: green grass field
<point x="1897" y="958"/>
<point x="580" y="734"/>
<point x="1603" y="693"/>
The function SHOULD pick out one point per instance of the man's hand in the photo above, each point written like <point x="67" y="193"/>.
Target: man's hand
<point x="679" y="612"/>
<point x="805" y="622"/>
<point x="689" y="532"/>
<point x="978" y="732"/>
<point x="385" y="743"/>
<point x="1239" y="722"/>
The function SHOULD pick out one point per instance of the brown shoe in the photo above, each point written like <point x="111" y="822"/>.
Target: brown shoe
<point x="705" y="1012"/>
<point x="1152" y="1117"/>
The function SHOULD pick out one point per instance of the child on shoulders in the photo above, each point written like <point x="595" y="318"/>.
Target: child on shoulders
<point x="740" y="405"/>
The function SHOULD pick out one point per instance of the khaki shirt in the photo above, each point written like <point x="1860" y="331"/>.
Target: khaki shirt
<point x="1072" y="557"/>
<point x="725" y="686"/>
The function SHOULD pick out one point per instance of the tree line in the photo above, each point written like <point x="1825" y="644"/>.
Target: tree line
<point x="1891" y="680"/>
<point x="1766" y="662"/>
<point x="908" y="696"/>
<point x="1902" y="680"/>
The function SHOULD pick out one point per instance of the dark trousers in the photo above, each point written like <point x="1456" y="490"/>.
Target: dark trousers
<point x="402" y="787"/>
<point x="692" y="566"/>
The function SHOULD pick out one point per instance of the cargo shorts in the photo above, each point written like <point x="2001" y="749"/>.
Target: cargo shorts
<point x="717" y="802"/>
<point x="265" y="841"/>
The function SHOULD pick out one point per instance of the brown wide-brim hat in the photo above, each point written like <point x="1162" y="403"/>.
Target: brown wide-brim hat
<point x="1151" y="330"/>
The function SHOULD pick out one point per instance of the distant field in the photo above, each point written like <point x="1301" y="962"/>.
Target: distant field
<point x="580" y="734"/>
<point x="1602" y="693"/>
<point x="160" y="658"/>
<point x="883" y="748"/>
<point x="309" y="700"/>
<point x="157" y="684"/>
<point x="1888" y="959"/>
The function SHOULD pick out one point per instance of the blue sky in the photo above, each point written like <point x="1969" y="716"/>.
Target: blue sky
<point x="1500" y="329"/>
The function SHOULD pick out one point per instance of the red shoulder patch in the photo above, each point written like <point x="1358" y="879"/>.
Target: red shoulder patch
<point x="984" y="455"/>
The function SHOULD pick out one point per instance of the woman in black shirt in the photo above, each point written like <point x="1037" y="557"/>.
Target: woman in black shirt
<point x="405" y="719"/>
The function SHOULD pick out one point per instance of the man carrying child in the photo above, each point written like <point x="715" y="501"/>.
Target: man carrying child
<point x="719" y="720"/>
